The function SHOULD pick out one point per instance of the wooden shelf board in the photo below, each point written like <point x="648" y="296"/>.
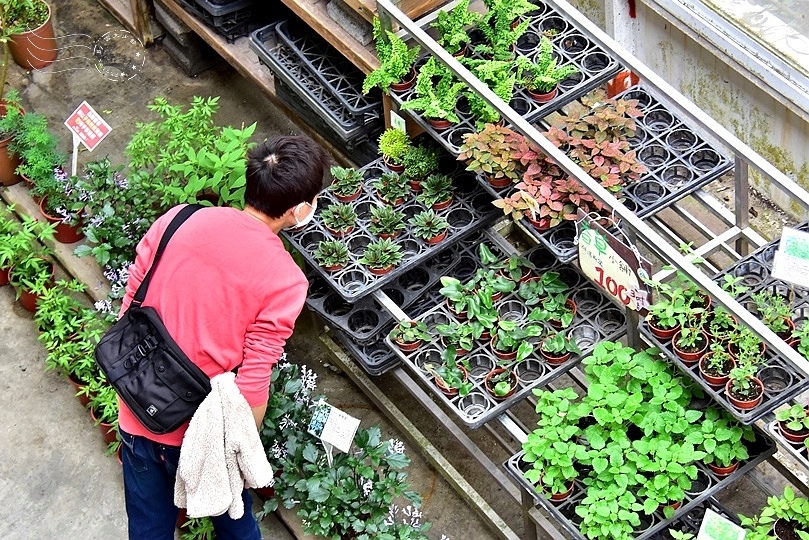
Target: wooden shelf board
<point x="313" y="13"/>
<point x="134" y="15"/>
<point x="412" y="8"/>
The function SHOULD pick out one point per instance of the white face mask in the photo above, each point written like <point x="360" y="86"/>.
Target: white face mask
<point x="305" y="221"/>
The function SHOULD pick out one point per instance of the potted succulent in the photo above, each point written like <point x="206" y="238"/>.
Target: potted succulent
<point x="386" y="221"/>
<point x="346" y="183"/>
<point x="436" y="191"/>
<point x="501" y="382"/>
<point x="396" y="59"/>
<point x="491" y="153"/>
<point x="510" y="340"/>
<point x="715" y="366"/>
<point x="429" y="226"/>
<point x="556" y="348"/>
<point x="332" y="255"/>
<point x="451" y="26"/>
<point x="393" y="145"/>
<point x="722" y="439"/>
<point x="450" y="376"/>
<point x="420" y="161"/>
<point x="794" y="423"/>
<point x="744" y="390"/>
<point x="409" y="335"/>
<point x="381" y="256"/>
<point x="339" y="218"/>
<point x="459" y="336"/>
<point x="542" y="77"/>
<point x="391" y="188"/>
<point x="436" y="100"/>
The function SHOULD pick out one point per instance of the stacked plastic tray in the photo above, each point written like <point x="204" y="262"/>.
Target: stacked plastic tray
<point x="571" y="46"/>
<point x="325" y="81"/>
<point x="231" y="19"/>
<point x="596" y="319"/>
<point x="471" y="210"/>
<point x="782" y="380"/>
<point x="688" y="515"/>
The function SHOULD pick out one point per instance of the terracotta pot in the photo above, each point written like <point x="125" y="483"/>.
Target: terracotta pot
<point x="441" y="205"/>
<point x="8" y="161"/>
<point x="552" y="358"/>
<point x="436" y="239"/>
<point x="689" y="357"/>
<point x="336" y="233"/>
<point x="108" y="431"/>
<point x="460" y="315"/>
<point x="334" y="268"/>
<point x="3" y="276"/>
<point x="78" y="385"/>
<point x="722" y="472"/>
<point x="415" y="185"/>
<point x="447" y="391"/>
<point x="405" y="346"/>
<point x="663" y="334"/>
<point x="391" y="167"/>
<point x="347" y="198"/>
<point x="794" y="437"/>
<point x="384" y="236"/>
<point x="406" y="83"/>
<point x="499" y="183"/>
<point x="458" y="351"/>
<point x="501" y="354"/>
<point x="380" y="271"/>
<point x="490" y="388"/>
<point x="572" y="306"/>
<point x="541" y="224"/>
<point x="543" y="97"/>
<point x="439" y="124"/>
<point x="717" y="381"/>
<point x="744" y="404"/>
<point x="557" y="498"/>
<point x="65" y="234"/>
<point x="36" y="48"/>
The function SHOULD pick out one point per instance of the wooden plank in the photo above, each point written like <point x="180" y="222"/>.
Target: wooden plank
<point x="412" y="8"/>
<point x="245" y="61"/>
<point x="123" y="11"/>
<point x="141" y="13"/>
<point x="313" y="13"/>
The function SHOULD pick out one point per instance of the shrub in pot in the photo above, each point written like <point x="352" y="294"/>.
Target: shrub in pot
<point x="393" y="145"/>
<point x="716" y="365"/>
<point x="420" y="161"/>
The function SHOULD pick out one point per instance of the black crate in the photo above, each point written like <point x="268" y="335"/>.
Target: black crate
<point x="374" y="359"/>
<point x="706" y="486"/>
<point x="571" y="45"/>
<point x="232" y="20"/>
<point x="470" y="211"/>
<point x="294" y="72"/>
<point x="597" y="319"/>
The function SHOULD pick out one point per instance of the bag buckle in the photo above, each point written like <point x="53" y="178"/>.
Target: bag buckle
<point x="147" y="345"/>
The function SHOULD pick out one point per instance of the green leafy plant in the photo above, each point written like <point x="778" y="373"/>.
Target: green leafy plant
<point x="59" y="313"/>
<point x="436" y="188"/>
<point x="745" y="346"/>
<point x="508" y="336"/>
<point x="718" y="361"/>
<point x="795" y="418"/>
<point x="391" y="187"/>
<point x="381" y="254"/>
<point x="393" y="145"/>
<point x="346" y="181"/>
<point x="722" y="438"/>
<point x="501" y="382"/>
<point x="452" y="25"/>
<point x="534" y="290"/>
<point x="721" y="324"/>
<point x="449" y="373"/>
<point x="773" y="309"/>
<point x="491" y="152"/>
<point x="340" y="217"/>
<point x="555" y="309"/>
<point x="733" y="285"/>
<point x="427" y="224"/>
<point x="787" y="507"/>
<point x="36" y="146"/>
<point x="435" y="100"/>
<point x="396" y="60"/>
<point x="458" y="335"/>
<point x="420" y="161"/>
<point x="32" y="273"/>
<point x="386" y="220"/>
<point x="543" y="75"/>
<point x="331" y="253"/>
<point x="742" y="384"/>
<point x="801" y="334"/>
<point x="515" y="267"/>
<point x="496" y="26"/>
<point x="410" y="332"/>
<point x="560" y="343"/>
<point x="198" y="529"/>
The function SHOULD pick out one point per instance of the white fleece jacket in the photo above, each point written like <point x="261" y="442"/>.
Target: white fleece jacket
<point x="221" y="452"/>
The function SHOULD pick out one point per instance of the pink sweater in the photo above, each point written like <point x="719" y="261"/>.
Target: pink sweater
<point x="228" y="293"/>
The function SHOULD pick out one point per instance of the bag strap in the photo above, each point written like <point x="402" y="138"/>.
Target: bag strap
<point x="175" y="223"/>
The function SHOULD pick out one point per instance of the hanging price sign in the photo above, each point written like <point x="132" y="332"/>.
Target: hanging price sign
<point x="613" y="265"/>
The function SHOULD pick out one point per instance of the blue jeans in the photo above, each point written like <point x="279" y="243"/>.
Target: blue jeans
<point x="149" y="471"/>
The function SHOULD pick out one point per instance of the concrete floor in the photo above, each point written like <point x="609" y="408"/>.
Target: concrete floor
<point x="55" y="481"/>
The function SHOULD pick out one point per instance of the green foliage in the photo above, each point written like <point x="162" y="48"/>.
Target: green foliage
<point x="436" y="188"/>
<point x="36" y="146"/>
<point x="721" y="438"/>
<point x="435" y="100"/>
<point x="543" y="75"/>
<point x="410" y="332"/>
<point x="198" y="529"/>
<point x="391" y="187"/>
<point x="24" y="15"/>
<point x="381" y="254"/>
<point x="428" y="224"/>
<point x="795" y="418"/>
<point x="386" y="220"/>
<point x="508" y="336"/>
<point x="449" y="372"/>
<point x="458" y="335"/>
<point x="452" y="24"/>
<point x="331" y="253"/>
<point x="32" y="273"/>
<point x="496" y="26"/>
<point x="491" y="151"/>
<point x="773" y="309"/>
<point x="396" y="60"/>
<point x="60" y="314"/>
<point x="346" y="181"/>
<point x="560" y="343"/>
<point x="340" y="217"/>
<point x="394" y="144"/>
<point x="553" y="308"/>
<point x="787" y="507"/>
<point x="420" y="160"/>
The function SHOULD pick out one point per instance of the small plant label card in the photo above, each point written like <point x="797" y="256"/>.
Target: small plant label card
<point x="333" y="427"/>
<point x="791" y="261"/>
<point x="718" y="527"/>
<point x="397" y="122"/>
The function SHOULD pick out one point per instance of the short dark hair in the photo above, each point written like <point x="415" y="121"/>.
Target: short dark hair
<point x="283" y="172"/>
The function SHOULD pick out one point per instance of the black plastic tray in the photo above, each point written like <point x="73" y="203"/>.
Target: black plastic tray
<point x="374" y="359"/>
<point x="597" y="319"/>
<point x="470" y="210"/>
<point x="337" y="74"/>
<point x="799" y="452"/>
<point x="708" y="484"/>
<point x="571" y="45"/>
<point x="289" y="68"/>
<point x="363" y="320"/>
<point x="232" y="21"/>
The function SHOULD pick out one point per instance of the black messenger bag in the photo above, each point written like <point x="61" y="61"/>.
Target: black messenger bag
<point x="151" y="374"/>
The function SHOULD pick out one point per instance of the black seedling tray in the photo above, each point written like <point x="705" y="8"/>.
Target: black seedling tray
<point x="596" y="319"/>
<point x="799" y="452"/>
<point x="232" y="20"/>
<point x="337" y="74"/>
<point x="374" y="359"/>
<point x="471" y="209"/>
<point x="678" y="159"/>
<point x="289" y="68"/>
<point x="362" y="320"/>
<point x="704" y="488"/>
<point x="692" y="521"/>
<point x="571" y="45"/>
